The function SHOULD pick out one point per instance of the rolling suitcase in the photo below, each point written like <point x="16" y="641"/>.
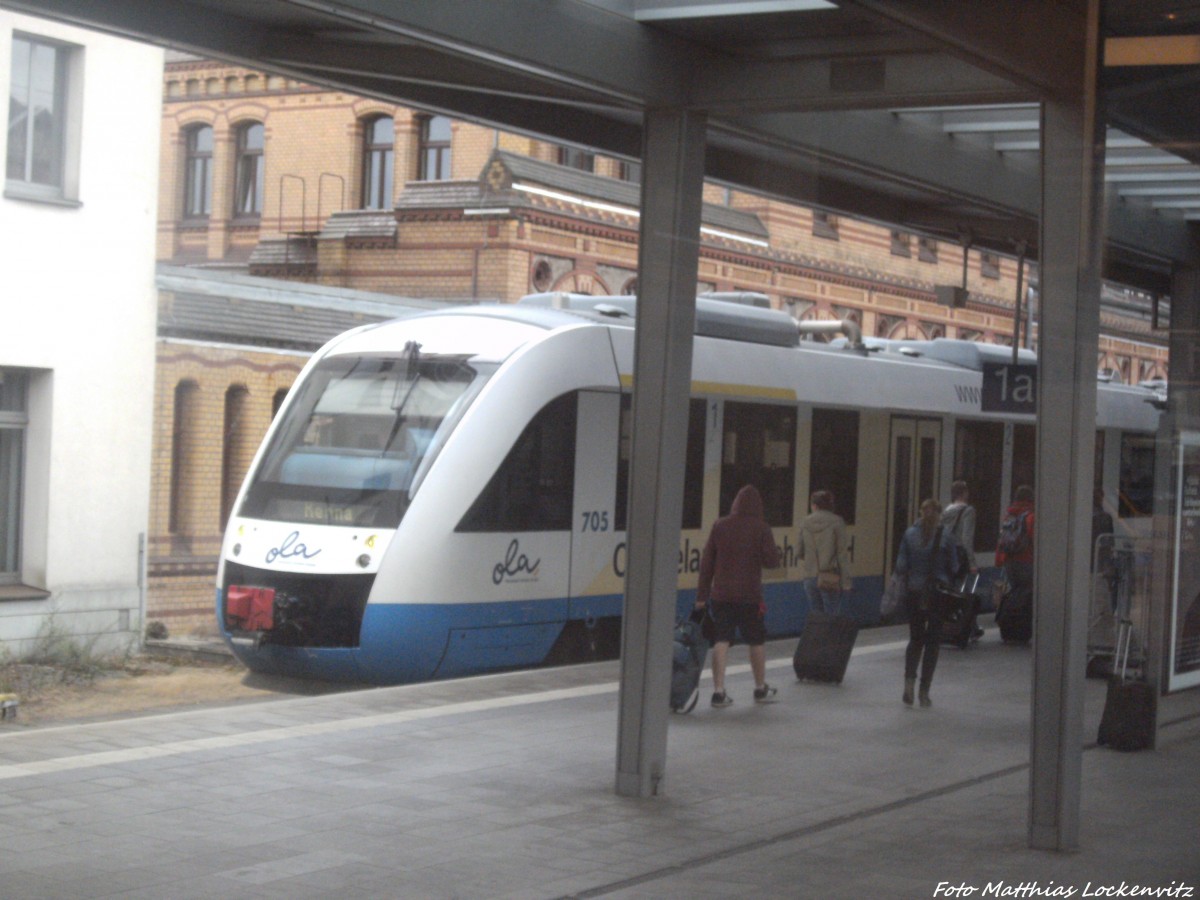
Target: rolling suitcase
<point x="960" y="607"/>
<point x="1131" y="706"/>
<point x="1014" y="617"/>
<point x="687" y="662"/>
<point x="824" y="649"/>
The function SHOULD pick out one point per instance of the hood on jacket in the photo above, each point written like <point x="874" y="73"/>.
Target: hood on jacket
<point x="821" y="520"/>
<point x="748" y="502"/>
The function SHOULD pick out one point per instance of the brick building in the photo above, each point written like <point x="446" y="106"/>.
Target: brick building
<point x="330" y="192"/>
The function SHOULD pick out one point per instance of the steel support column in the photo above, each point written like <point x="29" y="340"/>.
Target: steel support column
<point x="668" y="256"/>
<point x="1071" y="246"/>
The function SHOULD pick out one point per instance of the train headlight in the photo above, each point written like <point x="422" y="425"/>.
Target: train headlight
<point x="364" y="561"/>
<point x="237" y="549"/>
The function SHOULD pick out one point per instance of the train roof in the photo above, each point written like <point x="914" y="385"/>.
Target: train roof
<point x="739" y="317"/>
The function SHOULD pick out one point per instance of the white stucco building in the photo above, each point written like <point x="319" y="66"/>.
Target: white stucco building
<point x="77" y="319"/>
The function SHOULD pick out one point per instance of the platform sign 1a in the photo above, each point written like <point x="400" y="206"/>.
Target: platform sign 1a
<point x="1185" y="608"/>
<point x="1009" y="388"/>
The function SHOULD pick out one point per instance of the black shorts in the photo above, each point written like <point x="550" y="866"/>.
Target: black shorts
<point x="729" y="618"/>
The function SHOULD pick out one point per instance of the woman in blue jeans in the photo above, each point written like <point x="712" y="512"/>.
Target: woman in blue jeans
<point x="926" y="558"/>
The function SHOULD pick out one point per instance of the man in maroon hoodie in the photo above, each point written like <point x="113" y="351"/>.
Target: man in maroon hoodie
<point x="738" y="549"/>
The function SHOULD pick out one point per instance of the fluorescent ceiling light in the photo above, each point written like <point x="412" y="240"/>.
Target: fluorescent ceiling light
<point x="665" y="10"/>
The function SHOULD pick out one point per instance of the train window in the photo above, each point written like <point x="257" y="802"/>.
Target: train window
<point x="834" y="459"/>
<point x="759" y="447"/>
<point x="356" y="437"/>
<point x="1137" y="475"/>
<point x="693" y="473"/>
<point x="1024" y="458"/>
<point x="534" y="487"/>
<point x="979" y="461"/>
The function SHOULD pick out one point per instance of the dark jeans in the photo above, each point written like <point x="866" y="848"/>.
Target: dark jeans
<point x="924" y="640"/>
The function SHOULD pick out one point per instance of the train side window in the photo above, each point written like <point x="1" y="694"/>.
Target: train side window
<point x="1024" y="460"/>
<point x="534" y="487"/>
<point x="1137" y="475"/>
<point x="979" y="461"/>
<point x="759" y="447"/>
<point x="693" y="474"/>
<point x="834" y="458"/>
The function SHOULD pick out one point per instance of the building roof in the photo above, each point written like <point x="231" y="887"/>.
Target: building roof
<point x="199" y="304"/>
<point x="503" y="178"/>
<point x="360" y="223"/>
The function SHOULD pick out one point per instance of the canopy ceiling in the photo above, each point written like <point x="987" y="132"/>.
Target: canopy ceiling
<point x="920" y="113"/>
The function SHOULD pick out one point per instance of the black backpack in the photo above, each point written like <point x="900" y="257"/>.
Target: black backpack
<point x="1014" y="536"/>
<point x="961" y="560"/>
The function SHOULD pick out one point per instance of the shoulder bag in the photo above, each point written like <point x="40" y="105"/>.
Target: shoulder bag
<point x="893" y="595"/>
<point x="829" y="580"/>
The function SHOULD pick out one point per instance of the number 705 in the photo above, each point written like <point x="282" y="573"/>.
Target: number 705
<point x="595" y="520"/>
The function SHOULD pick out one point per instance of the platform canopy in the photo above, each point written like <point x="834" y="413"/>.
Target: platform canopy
<point x="918" y="113"/>
<point x="975" y="120"/>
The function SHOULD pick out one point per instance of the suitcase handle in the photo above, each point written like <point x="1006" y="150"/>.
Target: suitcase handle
<point x="1124" y="640"/>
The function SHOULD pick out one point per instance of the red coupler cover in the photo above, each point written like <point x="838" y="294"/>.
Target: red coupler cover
<point x="250" y="608"/>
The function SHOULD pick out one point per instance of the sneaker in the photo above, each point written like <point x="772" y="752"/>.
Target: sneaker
<point x="721" y="699"/>
<point x="765" y="694"/>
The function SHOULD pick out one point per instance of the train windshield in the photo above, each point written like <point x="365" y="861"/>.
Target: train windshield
<point x="355" y="437"/>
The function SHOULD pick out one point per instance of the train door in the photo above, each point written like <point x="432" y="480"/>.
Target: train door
<point x="914" y="466"/>
<point x="597" y="527"/>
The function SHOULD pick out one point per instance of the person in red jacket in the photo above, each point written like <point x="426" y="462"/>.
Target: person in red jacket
<point x="1014" y="552"/>
<point x="739" y="547"/>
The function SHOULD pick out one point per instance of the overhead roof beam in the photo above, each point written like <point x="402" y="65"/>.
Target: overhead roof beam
<point x="1021" y="40"/>
<point x="577" y="44"/>
<point x="884" y="145"/>
<point x="736" y="84"/>
<point x="177" y="24"/>
<point x="407" y="64"/>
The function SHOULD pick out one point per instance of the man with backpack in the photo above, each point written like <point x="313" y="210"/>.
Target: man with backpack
<point x="1014" y="552"/>
<point x="958" y="518"/>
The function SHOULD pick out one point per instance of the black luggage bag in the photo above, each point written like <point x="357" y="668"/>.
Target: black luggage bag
<point x="687" y="663"/>
<point x="1014" y="616"/>
<point x="824" y="649"/>
<point x="959" y="609"/>
<point x="1130" y="713"/>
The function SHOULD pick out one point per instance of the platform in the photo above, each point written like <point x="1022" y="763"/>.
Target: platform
<point x="502" y="787"/>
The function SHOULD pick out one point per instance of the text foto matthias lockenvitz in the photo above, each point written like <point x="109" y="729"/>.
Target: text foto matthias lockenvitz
<point x="1053" y="889"/>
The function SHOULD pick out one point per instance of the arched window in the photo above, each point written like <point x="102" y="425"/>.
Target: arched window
<point x="183" y="457"/>
<point x="277" y="401"/>
<point x="434" y="156"/>
<point x="248" y="201"/>
<point x="379" y="135"/>
<point x="197" y="177"/>
<point x="235" y="455"/>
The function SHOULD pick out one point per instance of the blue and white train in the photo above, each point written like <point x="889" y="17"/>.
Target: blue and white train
<point x="445" y="494"/>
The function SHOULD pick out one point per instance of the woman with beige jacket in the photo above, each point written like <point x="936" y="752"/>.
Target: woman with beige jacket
<point x="826" y="554"/>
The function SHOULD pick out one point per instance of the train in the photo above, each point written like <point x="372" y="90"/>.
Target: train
<point x="445" y="494"/>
